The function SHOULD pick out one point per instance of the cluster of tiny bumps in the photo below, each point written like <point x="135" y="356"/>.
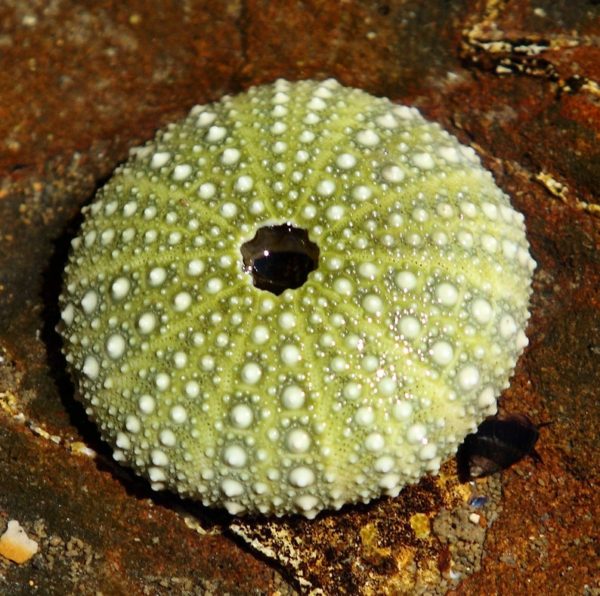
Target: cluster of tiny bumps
<point x="358" y="382"/>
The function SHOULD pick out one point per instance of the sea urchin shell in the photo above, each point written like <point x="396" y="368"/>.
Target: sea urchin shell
<point x="403" y="323"/>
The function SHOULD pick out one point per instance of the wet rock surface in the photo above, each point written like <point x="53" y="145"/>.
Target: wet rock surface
<point x="80" y="84"/>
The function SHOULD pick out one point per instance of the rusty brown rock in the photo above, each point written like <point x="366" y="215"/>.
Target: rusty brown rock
<point x="80" y="84"/>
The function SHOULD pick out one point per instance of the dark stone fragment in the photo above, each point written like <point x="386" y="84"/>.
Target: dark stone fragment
<point x="498" y="443"/>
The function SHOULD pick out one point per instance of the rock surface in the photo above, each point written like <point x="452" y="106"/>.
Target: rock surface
<point x="80" y="84"/>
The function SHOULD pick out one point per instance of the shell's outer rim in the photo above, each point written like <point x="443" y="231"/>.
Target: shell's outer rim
<point x="214" y="171"/>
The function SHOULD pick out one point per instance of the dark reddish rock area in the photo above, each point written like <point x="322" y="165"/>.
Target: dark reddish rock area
<point x="80" y="83"/>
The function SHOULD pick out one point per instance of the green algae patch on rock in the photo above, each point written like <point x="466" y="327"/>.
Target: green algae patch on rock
<point x="353" y="380"/>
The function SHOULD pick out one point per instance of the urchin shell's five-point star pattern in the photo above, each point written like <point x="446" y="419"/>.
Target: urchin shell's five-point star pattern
<point x="361" y="380"/>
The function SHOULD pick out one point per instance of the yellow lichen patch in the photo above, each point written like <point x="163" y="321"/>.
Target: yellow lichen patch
<point x="371" y="550"/>
<point x="8" y="403"/>
<point x="428" y="573"/>
<point x="80" y="448"/>
<point x="450" y="489"/>
<point x="419" y="522"/>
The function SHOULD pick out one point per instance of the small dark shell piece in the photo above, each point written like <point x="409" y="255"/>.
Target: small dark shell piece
<point x="500" y="442"/>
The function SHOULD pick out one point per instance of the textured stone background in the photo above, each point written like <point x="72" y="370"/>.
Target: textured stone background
<point x="81" y="82"/>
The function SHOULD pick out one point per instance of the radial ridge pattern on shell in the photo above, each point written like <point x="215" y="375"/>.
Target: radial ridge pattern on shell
<point x="356" y="383"/>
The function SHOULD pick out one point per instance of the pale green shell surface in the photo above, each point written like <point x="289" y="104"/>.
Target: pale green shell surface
<point x="353" y="385"/>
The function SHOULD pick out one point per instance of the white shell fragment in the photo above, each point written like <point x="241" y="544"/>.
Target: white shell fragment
<point x="15" y="545"/>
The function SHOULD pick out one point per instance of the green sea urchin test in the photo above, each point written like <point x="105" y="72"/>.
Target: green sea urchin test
<point x="298" y="297"/>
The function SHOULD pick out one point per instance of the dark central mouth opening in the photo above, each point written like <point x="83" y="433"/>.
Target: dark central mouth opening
<point x="280" y="258"/>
